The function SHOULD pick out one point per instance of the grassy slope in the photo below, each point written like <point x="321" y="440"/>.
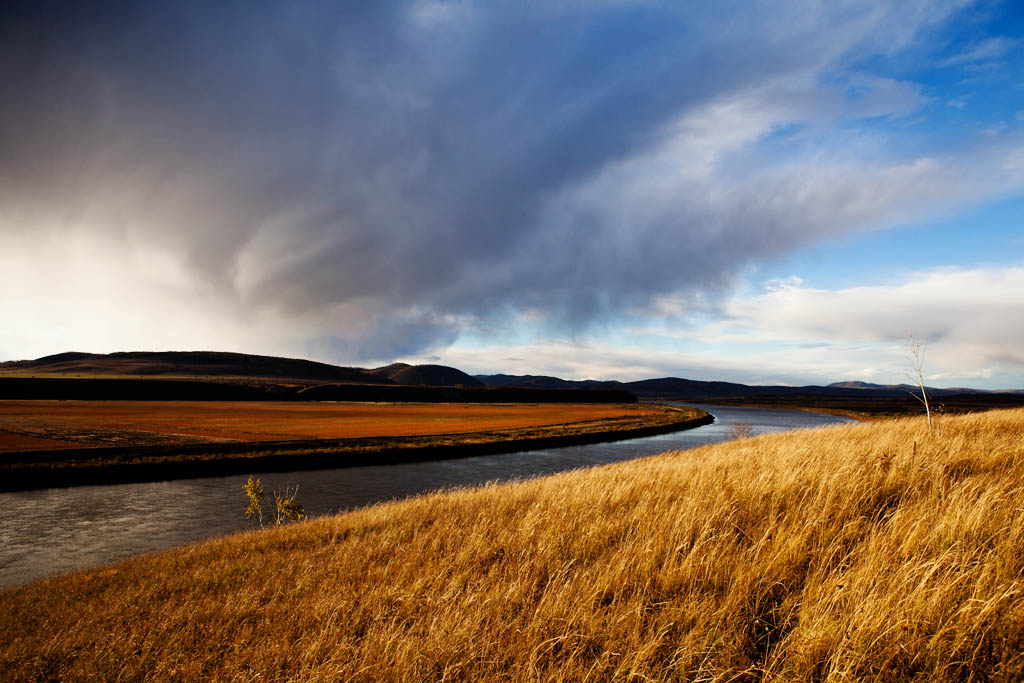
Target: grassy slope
<point x="874" y="551"/>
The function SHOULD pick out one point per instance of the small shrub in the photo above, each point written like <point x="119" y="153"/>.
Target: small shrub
<point x="289" y="509"/>
<point x="739" y="430"/>
<point x="254" y="490"/>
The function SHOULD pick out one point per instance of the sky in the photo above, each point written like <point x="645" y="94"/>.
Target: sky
<point x="773" y="192"/>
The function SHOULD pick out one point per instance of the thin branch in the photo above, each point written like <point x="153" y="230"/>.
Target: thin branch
<point x="917" y="359"/>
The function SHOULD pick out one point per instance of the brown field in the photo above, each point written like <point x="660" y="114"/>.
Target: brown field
<point x="14" y="442"/>
<point x="881" y="552"/>
<point x="36" y="425"/>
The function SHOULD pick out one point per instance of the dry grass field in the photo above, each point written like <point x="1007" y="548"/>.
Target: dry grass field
<point x="47" y="444"/>
<point x="879" y="552"/>
<point x="36" y="425"/>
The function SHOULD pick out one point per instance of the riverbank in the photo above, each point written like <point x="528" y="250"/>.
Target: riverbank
<point x="883" y="551"/>
<point x="137" y="463"/>
<point x="858" y="415"/>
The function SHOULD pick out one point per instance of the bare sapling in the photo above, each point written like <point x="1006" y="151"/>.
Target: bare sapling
<point x="739" y="430"/>
<point x="917" y="361"/>
<point x="288" y="508"/>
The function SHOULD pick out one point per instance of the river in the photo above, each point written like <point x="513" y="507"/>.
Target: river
<point x="56" y="530"/>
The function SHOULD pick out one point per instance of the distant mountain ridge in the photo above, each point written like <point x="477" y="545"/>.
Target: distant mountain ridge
<point x="697" y="390"/>
<point x="206" y="364"/>
<point x="905" y="387"/>
<point x="221" y="376"/>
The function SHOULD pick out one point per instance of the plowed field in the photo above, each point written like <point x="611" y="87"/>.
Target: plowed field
<point x="39" y="425"/>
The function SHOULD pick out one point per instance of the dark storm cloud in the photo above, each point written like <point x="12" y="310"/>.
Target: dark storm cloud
<point x="408" y="167"/>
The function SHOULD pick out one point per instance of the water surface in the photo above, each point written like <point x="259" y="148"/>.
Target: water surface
<point x="56" y="530"/>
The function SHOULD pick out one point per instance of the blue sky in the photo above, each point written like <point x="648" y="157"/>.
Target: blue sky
<point x="766" y="192"/>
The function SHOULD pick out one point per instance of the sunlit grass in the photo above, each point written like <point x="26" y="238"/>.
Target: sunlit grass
<point x="866" y="552"/>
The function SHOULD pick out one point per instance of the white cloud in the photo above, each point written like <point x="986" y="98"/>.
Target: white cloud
<point x="933" y="302"/>
<point x="874" y="96"/>
<point x="985" y="50"/>
<point x="973" y="319"/>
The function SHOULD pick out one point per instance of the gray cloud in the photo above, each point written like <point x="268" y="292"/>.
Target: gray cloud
<point x="381" y="176"/>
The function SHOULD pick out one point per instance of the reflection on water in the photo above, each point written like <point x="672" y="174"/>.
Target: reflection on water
<point x="56" y="530"/>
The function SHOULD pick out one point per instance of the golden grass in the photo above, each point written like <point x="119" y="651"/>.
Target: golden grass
<point x="865" y="552"/>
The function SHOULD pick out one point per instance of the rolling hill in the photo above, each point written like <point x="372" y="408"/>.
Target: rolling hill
<point x="546" y="382"/>
<point x="188" y="364"/>
<point x="426" y="375"/>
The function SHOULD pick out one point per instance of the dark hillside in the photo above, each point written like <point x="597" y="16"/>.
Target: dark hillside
<point x="428" y="375"/>
<point x="190" y="364"/>
<point x="546" y="382"/>
<point x="387" y="370"/>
